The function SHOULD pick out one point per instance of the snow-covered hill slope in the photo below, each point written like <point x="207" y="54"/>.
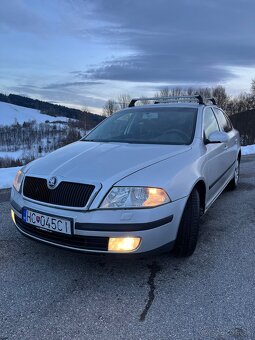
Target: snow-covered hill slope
<point x="10" y="114"/>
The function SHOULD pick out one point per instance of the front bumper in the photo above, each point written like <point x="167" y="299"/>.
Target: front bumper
<point x="156" y="227"/>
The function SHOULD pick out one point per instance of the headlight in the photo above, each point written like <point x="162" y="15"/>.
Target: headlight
<point x="18" y="180"/>
<point x="134" y="197"/>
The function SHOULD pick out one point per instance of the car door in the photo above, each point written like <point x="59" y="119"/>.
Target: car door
<point x="215" y="164"/>
<point x="231" y="147"/>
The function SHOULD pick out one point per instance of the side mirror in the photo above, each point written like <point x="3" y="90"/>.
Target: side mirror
<point x="218" y="137"/>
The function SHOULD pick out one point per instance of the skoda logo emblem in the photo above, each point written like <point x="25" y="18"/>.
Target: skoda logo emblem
<point x="52" y="182"/>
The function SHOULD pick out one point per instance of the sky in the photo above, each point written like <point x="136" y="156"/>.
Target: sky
<point x="81" y="53"/>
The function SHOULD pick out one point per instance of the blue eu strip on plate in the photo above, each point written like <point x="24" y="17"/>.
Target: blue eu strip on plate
<point x="24" y="214"/>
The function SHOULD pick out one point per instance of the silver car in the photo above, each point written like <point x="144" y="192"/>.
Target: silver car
<point x="138" y="182"/>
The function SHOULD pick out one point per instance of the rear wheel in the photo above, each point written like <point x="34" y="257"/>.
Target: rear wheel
<point x="235" y="180"/>
<point x="187" y="236"/>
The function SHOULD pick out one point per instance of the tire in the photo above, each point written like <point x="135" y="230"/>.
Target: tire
<point x="187" y="236"/>
<point x="233" y="184"/>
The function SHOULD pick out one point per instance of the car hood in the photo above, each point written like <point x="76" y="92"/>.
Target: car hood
<point x="100" y="162"/>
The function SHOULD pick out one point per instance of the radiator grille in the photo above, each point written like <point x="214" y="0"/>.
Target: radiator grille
<point x="65" y="194"/>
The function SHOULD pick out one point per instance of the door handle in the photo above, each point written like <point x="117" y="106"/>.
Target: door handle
<point x="225" y="146"/>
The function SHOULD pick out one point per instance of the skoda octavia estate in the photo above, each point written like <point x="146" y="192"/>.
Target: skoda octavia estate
<point x="136" y="183"/>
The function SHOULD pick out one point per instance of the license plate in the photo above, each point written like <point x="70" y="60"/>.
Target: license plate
<point x="46" y="222"/>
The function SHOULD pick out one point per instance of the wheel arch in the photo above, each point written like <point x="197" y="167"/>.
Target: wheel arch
<point x="201" y="188"/>
<point x="239" y="156"/>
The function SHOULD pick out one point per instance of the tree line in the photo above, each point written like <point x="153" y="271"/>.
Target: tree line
<point x="231" y="105"/>
<point x="241" y="108"/>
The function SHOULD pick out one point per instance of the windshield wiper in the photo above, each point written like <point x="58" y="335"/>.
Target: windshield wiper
<point x="96" y="140"/>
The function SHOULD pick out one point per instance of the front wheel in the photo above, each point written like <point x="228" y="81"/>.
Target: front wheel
<point x="187" y="236"/>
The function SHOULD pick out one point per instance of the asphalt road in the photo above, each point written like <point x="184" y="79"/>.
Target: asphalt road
<point x="48" y="293"/>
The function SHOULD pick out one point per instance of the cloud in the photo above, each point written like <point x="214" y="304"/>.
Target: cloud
<point x="66" y="96"/>
<point x="184" y="41"/>
<point x="157" y="68"/>
<point x="18" y="15"/>
<point x="115" y="46"/>
<point x="71" y="84"/>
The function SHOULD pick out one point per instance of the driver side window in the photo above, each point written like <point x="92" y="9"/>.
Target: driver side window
<point x="210" y="123"/>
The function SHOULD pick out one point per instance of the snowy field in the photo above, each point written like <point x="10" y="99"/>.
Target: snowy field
<point x="248" y="149"/>
<point x="11" y="154"/>
<point x="11" y="114"/>
<point x="7" y="174"/>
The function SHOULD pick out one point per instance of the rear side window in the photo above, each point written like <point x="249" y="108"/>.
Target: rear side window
<point x="210" y="122"/>
<point x="223" y="120"/>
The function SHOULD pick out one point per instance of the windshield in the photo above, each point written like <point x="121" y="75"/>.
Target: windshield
<point x="148" y="126"/>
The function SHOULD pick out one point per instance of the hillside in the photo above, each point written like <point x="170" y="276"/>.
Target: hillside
<point x="26" y="134"/>
<point x="244" y="122"/>
<point x="52" y="109"/>
<point x="11" y="114"/>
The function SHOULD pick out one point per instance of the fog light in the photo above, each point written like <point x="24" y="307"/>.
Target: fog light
<point x="122" y="244"/>
<point x="13" y="216"/>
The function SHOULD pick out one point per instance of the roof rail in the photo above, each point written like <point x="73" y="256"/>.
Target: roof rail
<point x="212" y="100"/>
<point x="169" y="99"/>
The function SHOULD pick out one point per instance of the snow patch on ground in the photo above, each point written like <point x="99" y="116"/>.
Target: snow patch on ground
<point x="11" y="114"/>
<point x="11" y="154"/>
<point x="7" y="175"/>
<point x="248" y="149"/>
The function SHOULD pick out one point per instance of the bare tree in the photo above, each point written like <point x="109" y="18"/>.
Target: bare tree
<point x="164" y="92"/>
<point x="177" y="91"/>
<point x="124" y="100"/>
<point x="242" y="102"/>
<point x="252" y="97"/>
<point x="143" y="101"/>
<point x="205" y="92"/>
<point x="110" y="107"/>
<point x="219" y="93"/>
<point x="253" y="87"/>
<point x="168" y="92"/>
<point x="190" y="91"/>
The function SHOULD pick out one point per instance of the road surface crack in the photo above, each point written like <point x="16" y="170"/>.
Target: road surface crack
<point x="154" y="269"/>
